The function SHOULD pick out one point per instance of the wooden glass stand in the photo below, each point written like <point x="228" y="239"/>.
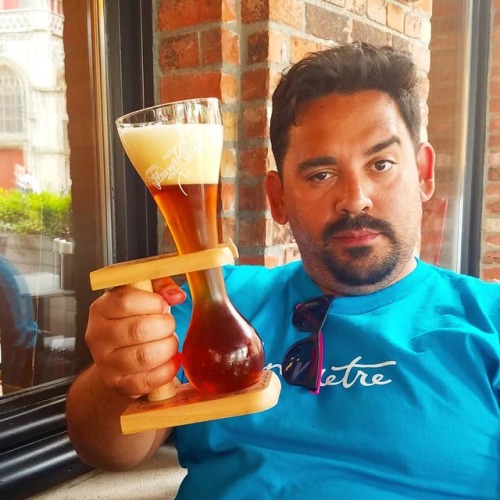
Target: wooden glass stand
<point x="172" y="405"/>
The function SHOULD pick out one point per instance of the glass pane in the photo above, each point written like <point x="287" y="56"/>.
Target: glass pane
<point x="448" y="103"/>
<point x="41" y="209"/>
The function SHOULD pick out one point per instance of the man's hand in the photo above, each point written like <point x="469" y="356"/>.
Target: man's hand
<point x="131" y="336"/>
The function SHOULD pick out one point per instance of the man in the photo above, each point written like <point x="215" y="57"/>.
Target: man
<point x="408" y="400"/>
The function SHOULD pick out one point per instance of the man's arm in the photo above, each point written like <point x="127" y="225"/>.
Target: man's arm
<point x="93" y="413"/>
<point x="131" y="337"/>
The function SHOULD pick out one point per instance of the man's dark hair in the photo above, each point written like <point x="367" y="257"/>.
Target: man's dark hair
<point x="345" y="69"/>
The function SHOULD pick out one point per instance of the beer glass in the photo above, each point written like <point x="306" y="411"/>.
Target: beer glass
<point x="176" y="148"/>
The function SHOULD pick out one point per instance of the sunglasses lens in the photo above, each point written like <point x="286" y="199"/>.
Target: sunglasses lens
<point x="301" y="364"/>
<point x="311" y="315"/>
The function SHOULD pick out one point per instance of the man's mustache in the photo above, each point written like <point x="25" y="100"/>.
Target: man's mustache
<point x="362" y="221"/>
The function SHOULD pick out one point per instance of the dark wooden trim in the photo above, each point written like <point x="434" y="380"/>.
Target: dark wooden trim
<point x="130" y="60"/>
<point x="476" y="139"/>
<point x="35" y="452"/>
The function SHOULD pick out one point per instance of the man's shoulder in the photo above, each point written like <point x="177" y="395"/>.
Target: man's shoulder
<point x="462" y="280"/>
<point x="463" y="288"/>
<point x="261" y="276"/>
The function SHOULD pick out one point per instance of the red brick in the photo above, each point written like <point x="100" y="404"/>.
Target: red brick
<point x="494" y="141"/>
<point x="256" y="122"/>
<point x="230" y="121"/>
<point x="356" y="6"/>
<point x="228" y="166"/>
<point x="299" y="47"/>
<point x="252" y="260"/>
<point x="370" y="34"/>
<point x="282" y="234"/>
<point x="493" y="240"/>
<point x="376" y="11"/>
<point x="229" y="88"/>
<point x="227" y="196"/>
<point x="229" y="10"/>
<point x="493" y="174"/>
<point x="442" y="8"/>
<point x="254" y="10"/>
<point x="290" y="12"/>
<point x="495" y="88"/>
<point x="426" y="6"/>
<point x="495" y="35"/>
<point x="253" y="232"/>
<point x="413" y="26"/>
<point x="188" y="86"/>
<point x="267" y="46"/>
<point x="495" y="54"/>
<point x="422" y="56"/>
<point x="493" y="159"/>
<point x="494" y="70"/>
<point x="259" y="83"/>
<point x="256" y="161"/>
<point x="492" y="257"/>
<point x="326" y="24"/>
<point x="221" y="45"/>
<point x="271" y="260"/>
<point x="493" y="207"/>
<point x="252" y="196"/>
<point x="339" y="3"/>
<point x="395" y="17"/>
<point x="494" y="123"/>
<point x="400" y="43"/>
<point x="227" y="229"/>
<point x="181" y="51"/>
<point x="491" y="274"/>
<point x="291" y="254"/>
<point x="175" y="14"/>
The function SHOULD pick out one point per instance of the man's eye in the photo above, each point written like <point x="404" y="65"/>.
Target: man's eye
<point x="383" y="165"/>
<point x="320" y="176"/>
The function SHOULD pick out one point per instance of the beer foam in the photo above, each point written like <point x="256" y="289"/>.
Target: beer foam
<point x="166" y="154"/>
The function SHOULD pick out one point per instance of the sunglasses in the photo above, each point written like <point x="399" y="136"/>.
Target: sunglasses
<point x="303" y="362"/>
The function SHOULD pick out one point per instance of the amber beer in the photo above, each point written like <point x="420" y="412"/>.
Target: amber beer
<point x="192" y="207"/>
<point x="180" y="164"/>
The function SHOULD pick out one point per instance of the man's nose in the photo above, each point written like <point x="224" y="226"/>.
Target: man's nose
<point x="354" y="197"/>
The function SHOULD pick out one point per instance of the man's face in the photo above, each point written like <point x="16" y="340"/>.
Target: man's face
<point x="352" y="189"/>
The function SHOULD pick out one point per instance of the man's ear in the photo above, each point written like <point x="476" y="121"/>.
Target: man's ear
<point x="276" y="196"/>
<point x="425" y="164"/>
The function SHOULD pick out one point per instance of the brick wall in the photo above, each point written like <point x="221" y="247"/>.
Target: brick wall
<point x="235" y="50"/>
<point x="490" y="262"/>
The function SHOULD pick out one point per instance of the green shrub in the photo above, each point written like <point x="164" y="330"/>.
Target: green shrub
<point x="43" y="213"/>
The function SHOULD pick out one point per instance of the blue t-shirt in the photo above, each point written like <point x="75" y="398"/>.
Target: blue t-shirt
<point x="408" y="407"/>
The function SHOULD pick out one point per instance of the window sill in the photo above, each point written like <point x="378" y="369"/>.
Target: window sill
<point x="159" y="478"/>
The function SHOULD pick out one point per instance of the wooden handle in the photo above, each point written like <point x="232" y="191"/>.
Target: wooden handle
<point x="159" y="266"/>
<point x="166" y="391"/>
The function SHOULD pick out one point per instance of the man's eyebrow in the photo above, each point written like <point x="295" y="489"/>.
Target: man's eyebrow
<point x="316" y="162"/>
<point x="382" y="145"/>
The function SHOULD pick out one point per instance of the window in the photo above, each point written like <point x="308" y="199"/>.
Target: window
<point x="77" y="156"/>
<point x="12" y="103"/>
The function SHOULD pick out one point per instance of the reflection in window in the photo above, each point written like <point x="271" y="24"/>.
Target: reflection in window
<point x="12" y="102"/>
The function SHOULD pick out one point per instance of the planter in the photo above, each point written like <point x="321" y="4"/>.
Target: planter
<point x="30" y="253"/>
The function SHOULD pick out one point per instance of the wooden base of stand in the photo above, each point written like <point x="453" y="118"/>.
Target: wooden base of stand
<point x="189" y="406"/>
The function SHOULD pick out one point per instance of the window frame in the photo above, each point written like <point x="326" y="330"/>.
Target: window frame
<point x="470" y="255"/>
